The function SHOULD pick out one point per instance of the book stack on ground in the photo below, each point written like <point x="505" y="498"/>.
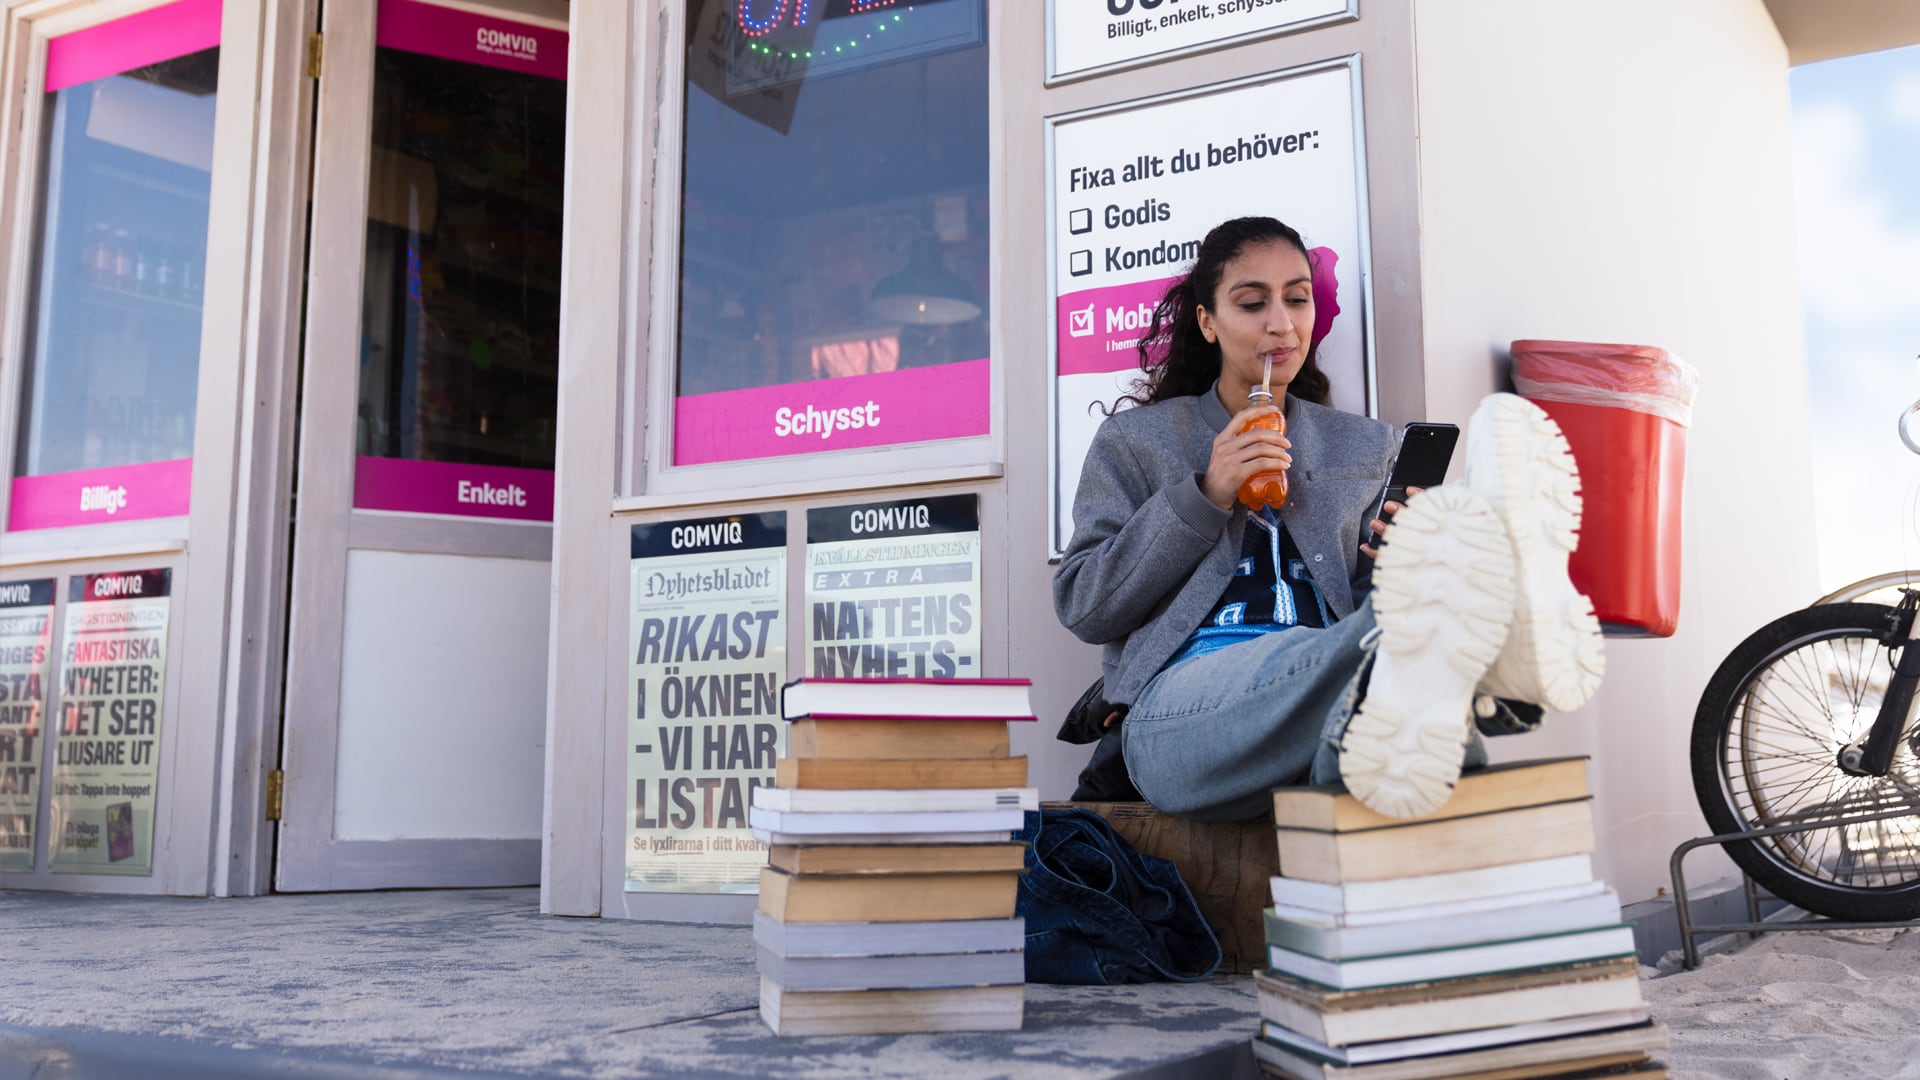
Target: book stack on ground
<point x="1472" y="942"/>
<point x="887" y="901"/>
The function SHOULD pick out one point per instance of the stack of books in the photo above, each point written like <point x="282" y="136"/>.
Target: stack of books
<point x="887" y="901"/>
<point x="1474" y="941"/>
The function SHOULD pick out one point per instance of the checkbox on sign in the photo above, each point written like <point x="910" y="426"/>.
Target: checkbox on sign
<point x="1079" y="221"/>
<point x="1080" y="323"/>
<point x="1080" y="263"/>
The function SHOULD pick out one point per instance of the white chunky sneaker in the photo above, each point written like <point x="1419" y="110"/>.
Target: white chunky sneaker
<point x="1518" y="460"/>
<point x="1443" y="599"/>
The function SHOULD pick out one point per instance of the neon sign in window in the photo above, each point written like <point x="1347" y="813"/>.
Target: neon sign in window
<point x="757" y="17"/>
<point x="777" y="43"/>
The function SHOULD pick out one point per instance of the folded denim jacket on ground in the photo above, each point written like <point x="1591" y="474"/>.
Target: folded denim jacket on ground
<point x="1100" y="913"/>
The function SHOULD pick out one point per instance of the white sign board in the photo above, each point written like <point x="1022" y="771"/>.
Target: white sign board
<point x="1089" y="36"/>
<point x="1133" y="189"/>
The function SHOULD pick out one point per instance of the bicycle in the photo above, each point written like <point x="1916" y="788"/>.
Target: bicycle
<point x="1811" y="719"/>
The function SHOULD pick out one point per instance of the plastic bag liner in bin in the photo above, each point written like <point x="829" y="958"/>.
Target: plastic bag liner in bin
<point x="1625" y="411"/>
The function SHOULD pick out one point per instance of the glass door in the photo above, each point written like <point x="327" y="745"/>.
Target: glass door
<point x="415" y="710"/>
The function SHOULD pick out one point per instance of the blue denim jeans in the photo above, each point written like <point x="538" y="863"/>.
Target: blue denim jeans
<point x="1209" y="737"/>
<point x="1100" y="913"/>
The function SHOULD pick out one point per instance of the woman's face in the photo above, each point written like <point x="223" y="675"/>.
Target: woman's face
<point x="1263" y="307"/>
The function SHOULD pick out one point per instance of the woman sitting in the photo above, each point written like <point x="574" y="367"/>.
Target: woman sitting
<point x="1255" y="649"/>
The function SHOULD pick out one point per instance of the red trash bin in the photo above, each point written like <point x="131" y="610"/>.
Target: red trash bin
<point x="1625" y="411"/>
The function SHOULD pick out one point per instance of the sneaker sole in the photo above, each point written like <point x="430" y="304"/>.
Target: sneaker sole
<point x="1519" y="460"/>
<point x="1443" y="599"/>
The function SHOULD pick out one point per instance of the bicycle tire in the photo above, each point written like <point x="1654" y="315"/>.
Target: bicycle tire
<point x="1864" y="590"/>
<point x="1766" y="739"/>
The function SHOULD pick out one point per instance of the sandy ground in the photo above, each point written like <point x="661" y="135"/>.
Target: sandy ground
<point x="1796" y="1005"/>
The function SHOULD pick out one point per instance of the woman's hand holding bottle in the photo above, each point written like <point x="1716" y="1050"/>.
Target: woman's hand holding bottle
<point x="1240" y="452"/>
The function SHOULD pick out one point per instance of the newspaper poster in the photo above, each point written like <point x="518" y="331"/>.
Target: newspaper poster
<point x="893" y="589"/>
<point x="107" y="727"/>
<point x="26" y="636"/>
<point x="707" y="638"/>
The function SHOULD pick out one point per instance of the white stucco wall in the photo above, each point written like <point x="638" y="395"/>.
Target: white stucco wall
<point x="1618" y="170"/>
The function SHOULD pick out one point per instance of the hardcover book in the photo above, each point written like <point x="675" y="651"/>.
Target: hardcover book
<point x="907" y="699"/>
<point x="888" y="938"/>
<point x="1403" y="894"/>
<point x="1622" y="1050"/>
<point x="856" y="774"/>
<point x="1330" y="808"/>
<point x="897" y="858"/>
<point x="870" y="740"/>
<point x="1473" y="1039"/>
<point x="924" y="971"/>
<point x="1332" y="942"/>
<point x="1344" y="1017"/>
<point x="1438" y="846"/>
<point x="825" y="823"/>
<point x="1455" y="963"/>
<point x="888" y="1012"/>
<point x="894" y="801"/>
<point x="886" y="897"/>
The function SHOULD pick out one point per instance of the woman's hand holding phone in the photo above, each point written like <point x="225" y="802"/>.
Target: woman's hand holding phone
<point x="1378" y="526"/>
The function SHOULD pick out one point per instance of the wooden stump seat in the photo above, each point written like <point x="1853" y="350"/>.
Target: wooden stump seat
<point x="1226" y="866"/>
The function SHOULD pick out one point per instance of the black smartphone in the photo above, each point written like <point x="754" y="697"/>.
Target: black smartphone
<point x="1425" y="452"/>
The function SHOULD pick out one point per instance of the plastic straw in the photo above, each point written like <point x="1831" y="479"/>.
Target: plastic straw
<point x="1266" y="376"/>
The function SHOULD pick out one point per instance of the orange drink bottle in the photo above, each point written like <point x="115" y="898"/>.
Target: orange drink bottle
<point x="1267" y="489"/>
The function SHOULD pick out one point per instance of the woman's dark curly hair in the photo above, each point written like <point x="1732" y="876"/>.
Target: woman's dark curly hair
<point x="1175" y="359"/>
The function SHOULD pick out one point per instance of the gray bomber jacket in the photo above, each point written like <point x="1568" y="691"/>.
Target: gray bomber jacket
<point x="1150" y="556"/>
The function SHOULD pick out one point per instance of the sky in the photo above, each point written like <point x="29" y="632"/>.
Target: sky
<point x="1856" y="170"/>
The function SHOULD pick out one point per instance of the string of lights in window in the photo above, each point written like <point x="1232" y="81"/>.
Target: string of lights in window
<point x="799" y="14"/>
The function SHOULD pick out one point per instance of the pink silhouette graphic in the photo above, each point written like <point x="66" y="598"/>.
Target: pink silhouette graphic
<point x="1326" y="291"/>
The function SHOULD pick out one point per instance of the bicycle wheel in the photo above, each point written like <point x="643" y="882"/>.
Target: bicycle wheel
<point x="1766" y="740"/>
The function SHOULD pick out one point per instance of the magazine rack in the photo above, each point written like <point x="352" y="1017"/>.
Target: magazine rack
<point x="1754" y="926"/>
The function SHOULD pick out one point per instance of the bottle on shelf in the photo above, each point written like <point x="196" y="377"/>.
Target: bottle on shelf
<point x="122" y="247"/>
<point x="92" y="242"/>
<point x="190" y="278"/>
<point x="165" y="275"/>
<point x="142" y="270"/>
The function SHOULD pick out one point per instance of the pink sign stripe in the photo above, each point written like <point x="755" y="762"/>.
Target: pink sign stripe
<point x="163" y="33"/>
<point x="1098" y="328"/>
<point x="451" y="34"/>
<point x="947" y="401"/>
<point x="92" y="496"/>
<point x="441" y="487"/>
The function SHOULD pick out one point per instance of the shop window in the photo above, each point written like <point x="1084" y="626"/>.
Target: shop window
<point x="113" y="346"/>
<point x="461" y="314"/>
<point x="834" y="262"/>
